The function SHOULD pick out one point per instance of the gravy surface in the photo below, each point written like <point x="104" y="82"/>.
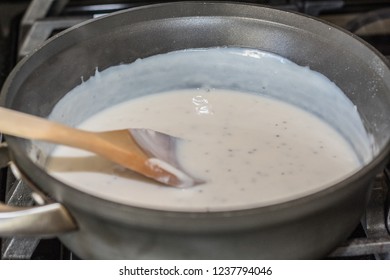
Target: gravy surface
<point x="250" y="150"/>
<point x="258" y="128"/>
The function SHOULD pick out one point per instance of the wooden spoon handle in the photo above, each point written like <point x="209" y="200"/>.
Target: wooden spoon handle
<point x="27" y="126"/>
<point x="118" y="146"/>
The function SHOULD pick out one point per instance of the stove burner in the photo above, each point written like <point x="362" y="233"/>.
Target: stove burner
<point x="376" y="224"/>
<point x="366" y="19"/>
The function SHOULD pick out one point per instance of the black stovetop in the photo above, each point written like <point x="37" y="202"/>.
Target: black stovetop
<point x="369" y="19"/>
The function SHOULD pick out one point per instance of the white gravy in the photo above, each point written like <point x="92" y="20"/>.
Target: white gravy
<point x="252" y="150"/>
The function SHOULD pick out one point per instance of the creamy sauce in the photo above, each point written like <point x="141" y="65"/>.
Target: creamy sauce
<point x="251" y="149"/>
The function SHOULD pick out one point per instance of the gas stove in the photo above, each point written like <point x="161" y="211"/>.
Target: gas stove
<point x="25" y="25"/>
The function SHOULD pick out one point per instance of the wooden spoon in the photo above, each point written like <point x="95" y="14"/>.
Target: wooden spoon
<point x="144" y="151"/>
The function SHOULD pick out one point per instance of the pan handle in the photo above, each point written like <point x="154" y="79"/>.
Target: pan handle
<point x="47" y="220"/>
<point x="44" y="221"/>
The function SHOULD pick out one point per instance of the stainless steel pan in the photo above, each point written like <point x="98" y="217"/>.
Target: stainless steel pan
<point x="92" y="227"/>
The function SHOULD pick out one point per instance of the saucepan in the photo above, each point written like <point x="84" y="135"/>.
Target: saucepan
<point x="97" y="228"/>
